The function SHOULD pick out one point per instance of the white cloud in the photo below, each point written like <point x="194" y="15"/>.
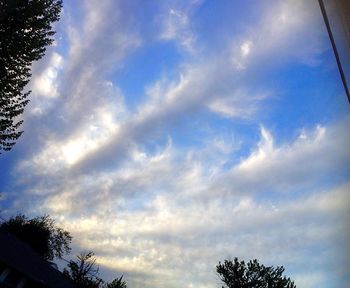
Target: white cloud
<point x="209" y="83"/>
<point x="279" y="167"/>
<point x="176" y="25"/>
<point x="261" y="155"/>
<point x="240" y="58"/>
<point x="100" y="123"/>
<point x="45" y="84"/>
<point x="160" y="214"/>
<point x="280" y="35"/>
<point x="170" y="235"/>
<point x="245" y="48"/>
<point x="238" y="105"/>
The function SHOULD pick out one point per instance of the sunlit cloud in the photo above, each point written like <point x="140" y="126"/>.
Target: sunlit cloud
<point x="45" y="84"/>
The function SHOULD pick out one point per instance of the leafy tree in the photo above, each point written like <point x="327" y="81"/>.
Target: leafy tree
<point x="84" y="273"/>
<point x="25" y="31"/>
<point x="41" y="234"/>
<point x="237" y="274"/>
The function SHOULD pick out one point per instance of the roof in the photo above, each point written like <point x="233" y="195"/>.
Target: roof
<point x="21" y="257"/>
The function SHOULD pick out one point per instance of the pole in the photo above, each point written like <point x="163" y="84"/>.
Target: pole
<point x="336" y="54"/>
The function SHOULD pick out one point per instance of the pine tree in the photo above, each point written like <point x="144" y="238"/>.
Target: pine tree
<point x="25" y="32"/>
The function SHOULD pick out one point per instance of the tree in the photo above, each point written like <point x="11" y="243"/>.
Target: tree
<point x="25" y="31"/>
<point x="41" y="234"/>
<point x="84" y="273"/>
<point x="237" y="274"/>
<point x="117" y="283"/>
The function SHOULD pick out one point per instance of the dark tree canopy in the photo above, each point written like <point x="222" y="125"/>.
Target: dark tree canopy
<point x="41" y="234"/>
<point x="237" y="274"/>
<point x="25" y="31"/>
<point x="84" y="273"/>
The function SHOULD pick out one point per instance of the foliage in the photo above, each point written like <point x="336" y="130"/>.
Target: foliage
<point x="84" y="273"/>
<point x="237" y="274"/>
<point x="25" y="31"/>
<point x="117" y="283"/>
<point x="41" y="234"/>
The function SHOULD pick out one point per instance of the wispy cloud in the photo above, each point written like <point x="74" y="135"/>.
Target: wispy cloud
<point x="176" y="24"/>
<point x="182" y="218"/>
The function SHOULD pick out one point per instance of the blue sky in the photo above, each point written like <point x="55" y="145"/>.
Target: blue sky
<point x="170" y="135"/>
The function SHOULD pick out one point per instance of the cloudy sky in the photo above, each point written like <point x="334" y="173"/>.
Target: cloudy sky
<point x="167" y="136"/>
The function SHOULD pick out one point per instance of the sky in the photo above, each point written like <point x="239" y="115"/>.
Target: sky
<point x="167" y="136"/>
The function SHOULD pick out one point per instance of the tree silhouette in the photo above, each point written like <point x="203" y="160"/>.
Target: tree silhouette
<point x="117" y="283"/>
<point x="41" y="234"/>
<point x="25" y="31"/>
<point x="84" y="273"/>
<point x="237" y="274"/>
